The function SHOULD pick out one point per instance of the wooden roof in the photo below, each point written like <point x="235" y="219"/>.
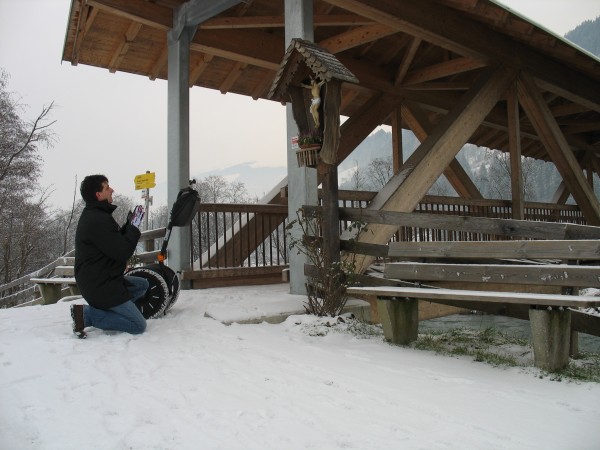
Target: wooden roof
<point x="420" y="55"/>
<point x="319" y="63"/>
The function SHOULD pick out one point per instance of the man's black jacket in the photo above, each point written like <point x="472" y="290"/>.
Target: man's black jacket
<point x="102" y="249"/>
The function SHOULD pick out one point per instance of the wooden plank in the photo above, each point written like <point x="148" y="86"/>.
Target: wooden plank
<point x="58" y="280"/>
<point x="480" y="296"/>
<point x="552" y="249"/>
<point x="150" y="14"/>
<point x="355" y="37"/>
<point x="500" y="227"/>
<point x="435" y="71"/>
<point x="232" y="272"/>
<point x="64" y="271"/>
<point x="547" y="274"/>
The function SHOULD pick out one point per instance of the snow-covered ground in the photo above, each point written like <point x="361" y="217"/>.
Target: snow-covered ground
<point x="191" y="382"/>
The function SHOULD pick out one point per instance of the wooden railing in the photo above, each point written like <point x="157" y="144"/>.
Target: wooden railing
<point x="249" y="240"/>
<point x="454" y="206"/>
<point x="229" y="235"/>
<point x="238" y="243"/>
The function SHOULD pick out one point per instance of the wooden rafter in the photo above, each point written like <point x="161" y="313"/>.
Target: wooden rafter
<point x="87" y="16"/>
<point x="355" y="37"/>
<point x="341" y="20"/>
<point x="160" y="63"/>
<point x="448" y="29"/>
<point x="236" y="71"/>
<point x="246" y="46"/>
<point x="407" y="60"/>
<point x="199" y="69"/>
<point x="147" y="13"/>
<point x="443" y="69"/>
<point x="128" y="38"/>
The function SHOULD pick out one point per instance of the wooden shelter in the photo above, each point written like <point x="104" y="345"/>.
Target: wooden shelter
<point x="452" y="71"/>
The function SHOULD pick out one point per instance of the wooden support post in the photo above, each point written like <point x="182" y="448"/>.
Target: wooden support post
<point x="399" y="319"/>
<point x="331" y="216"/>
<point x="574" y="344"/>
<point x="397" y="156"/>
<point x="550" y="335"/>
<point x="514" y="144"/>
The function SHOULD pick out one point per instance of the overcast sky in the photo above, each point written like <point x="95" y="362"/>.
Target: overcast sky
<point x="116" y="124"/>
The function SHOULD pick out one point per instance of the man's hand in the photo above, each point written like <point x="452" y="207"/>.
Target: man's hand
<point x="136" y="216"/>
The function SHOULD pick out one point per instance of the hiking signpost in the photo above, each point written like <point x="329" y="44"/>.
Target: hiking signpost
<point x="146" y="181"/>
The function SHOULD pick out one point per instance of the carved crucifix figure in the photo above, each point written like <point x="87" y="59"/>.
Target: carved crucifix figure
<point x="315" y="90"/>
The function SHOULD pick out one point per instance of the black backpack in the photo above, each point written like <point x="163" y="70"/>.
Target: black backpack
<point x="184" y="207"/>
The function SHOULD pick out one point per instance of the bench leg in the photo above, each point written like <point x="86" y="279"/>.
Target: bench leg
<point x="550" y="334"/>
<point x="51" y="293"/>
<point x="574" y="345"/>
<point x="400" y="319"/>
<point x="74" y="290"/>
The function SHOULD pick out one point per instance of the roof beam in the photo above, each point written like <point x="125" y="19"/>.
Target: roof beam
<point x="441" y="70"/>
<point x="123" y="47"/>
<point x="147" y="13"/>
<point x="407" y="60"/>
<point x="341" y="20"/>
<point x="355" y="37"/>
<point x="236" y="71"/>
<point x="247" y="46"/>
<point x="197" y="71"/>
<point x="86" y="19"/>
<point x="450" y="29"/>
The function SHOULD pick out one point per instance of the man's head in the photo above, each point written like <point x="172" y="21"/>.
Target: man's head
<point x="95" y="188"/>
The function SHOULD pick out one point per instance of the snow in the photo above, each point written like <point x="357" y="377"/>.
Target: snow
<point x="192" y="382"/>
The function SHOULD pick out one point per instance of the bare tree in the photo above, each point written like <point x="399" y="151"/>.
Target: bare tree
<point x="499" y="175"/>
<point x="358" y="182"/>
<point x="380" y="171"/>
<point x="22" y="201"/>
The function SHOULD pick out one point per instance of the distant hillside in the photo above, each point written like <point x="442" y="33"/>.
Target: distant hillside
<point x="587" y="36"/>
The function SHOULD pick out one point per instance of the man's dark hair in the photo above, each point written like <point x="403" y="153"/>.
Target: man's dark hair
<point x="90" y="185"/>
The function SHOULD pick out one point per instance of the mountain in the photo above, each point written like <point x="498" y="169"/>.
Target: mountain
<point x="587" y="36"/>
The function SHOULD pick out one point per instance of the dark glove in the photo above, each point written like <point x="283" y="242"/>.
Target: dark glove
<point x="135" y="217"/>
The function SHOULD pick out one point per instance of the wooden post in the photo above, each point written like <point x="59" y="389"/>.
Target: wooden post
<point x="514" y="144"/>
<point x="397" y="156"/>
<point x="331" y="215"/>
<point x="550" y="335"/>
<point x="399" y="319"/>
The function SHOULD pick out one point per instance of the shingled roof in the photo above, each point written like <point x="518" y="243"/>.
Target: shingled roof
<point x="321" y="63"/>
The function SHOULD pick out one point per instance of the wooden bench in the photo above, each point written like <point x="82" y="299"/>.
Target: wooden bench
<point x="63" y="282"/>
<point x="496" y="273"/>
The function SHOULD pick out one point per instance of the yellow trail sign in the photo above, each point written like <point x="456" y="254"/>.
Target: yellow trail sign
<point x="145" y="181"/>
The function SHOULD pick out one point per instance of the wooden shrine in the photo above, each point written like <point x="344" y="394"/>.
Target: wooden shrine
<point x="311" y="78"/>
